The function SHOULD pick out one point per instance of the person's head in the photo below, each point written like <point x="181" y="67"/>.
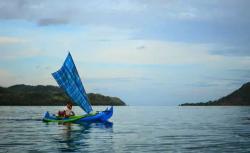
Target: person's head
<point x="69" y="105"/>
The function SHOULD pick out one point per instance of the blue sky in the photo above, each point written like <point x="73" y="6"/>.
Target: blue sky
<point x="147" y="52"/>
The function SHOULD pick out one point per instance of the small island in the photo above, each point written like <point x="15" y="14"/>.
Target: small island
<point x="27" y="95"/>
<point x="240" y="97"/>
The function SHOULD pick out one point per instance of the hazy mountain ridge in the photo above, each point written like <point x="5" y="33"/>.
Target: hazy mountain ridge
<point x="48" y="96"/>
<point x="240" y="97"/>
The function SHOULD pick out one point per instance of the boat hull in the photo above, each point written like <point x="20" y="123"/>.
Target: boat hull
<point x="101" y="116"/>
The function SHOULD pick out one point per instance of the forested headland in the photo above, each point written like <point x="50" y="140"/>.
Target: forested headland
<point x="40" y="95"/>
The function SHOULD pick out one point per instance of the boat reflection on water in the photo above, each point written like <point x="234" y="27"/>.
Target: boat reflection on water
<point x="79" y="137"/>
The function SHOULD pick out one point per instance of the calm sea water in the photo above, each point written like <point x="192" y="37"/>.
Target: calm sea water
<point x="133" y="129"/>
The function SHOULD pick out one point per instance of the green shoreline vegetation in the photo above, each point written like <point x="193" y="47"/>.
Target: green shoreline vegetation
<point x="240" y="97"/>
<point x="27" y="95"/>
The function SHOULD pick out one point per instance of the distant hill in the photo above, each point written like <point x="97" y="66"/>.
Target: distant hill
<point x="48" y="96"/>
<point x="240" y="97"/>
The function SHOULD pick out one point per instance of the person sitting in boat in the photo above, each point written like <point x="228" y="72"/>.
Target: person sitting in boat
<point x="67" y="111"/>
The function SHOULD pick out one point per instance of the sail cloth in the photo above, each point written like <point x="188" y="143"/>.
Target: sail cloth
<point x="68" y="79"/>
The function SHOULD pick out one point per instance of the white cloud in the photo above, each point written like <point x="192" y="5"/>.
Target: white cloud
<point x="10" y="40"/>
<point x="19" y="54"/>
<point x="17" y="47"/>
<point x="123" y="12"/>
<point x="154" y="52"/>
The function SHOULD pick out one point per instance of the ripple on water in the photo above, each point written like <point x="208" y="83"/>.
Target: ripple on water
<point x="134" y="129"/>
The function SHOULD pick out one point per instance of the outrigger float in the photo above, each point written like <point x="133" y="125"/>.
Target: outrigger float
<point x="68" y="79"/>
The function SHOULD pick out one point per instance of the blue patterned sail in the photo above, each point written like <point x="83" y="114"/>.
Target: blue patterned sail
<point x="68" y="79"/>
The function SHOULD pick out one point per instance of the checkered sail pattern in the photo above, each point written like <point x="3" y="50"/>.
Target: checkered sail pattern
<point x="68" y="79"/>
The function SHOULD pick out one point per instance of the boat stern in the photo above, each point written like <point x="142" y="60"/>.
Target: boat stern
<point x="107" y="114"/>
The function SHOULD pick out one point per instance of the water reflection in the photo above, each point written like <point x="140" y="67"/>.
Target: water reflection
<point x="136" y="129"/>
<point x="75" y="138"/>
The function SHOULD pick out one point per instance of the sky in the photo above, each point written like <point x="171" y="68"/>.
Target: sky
<point x="147" y="52"/>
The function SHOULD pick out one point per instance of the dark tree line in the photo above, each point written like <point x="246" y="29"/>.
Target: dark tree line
<point x="47" y="96"/>
<point x="240" y="97"/>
